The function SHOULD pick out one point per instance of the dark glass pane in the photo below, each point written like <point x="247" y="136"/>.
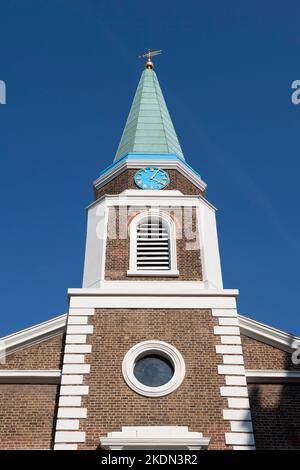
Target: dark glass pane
<point x="153" y="370"/>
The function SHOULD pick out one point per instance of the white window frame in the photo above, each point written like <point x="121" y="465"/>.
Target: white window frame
<point x="159" y="348"/>
<point x="170" y="225"/>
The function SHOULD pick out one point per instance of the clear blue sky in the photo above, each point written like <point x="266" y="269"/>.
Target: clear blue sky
<point x="71" y="69"/>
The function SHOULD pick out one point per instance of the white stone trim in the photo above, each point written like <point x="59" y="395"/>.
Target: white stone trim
<point x="226" y="330"/>
<point x="74" y="390"/>
<point x="241" y="426"/>
<point x="156" y="273"/>
<point x="235" y="388"/>
<point x="81" y="312"/>
<point x="69" y="436"/>
<point x="155" y="301"/>
<point x="78" y="320"/>
<point x="239" y="438"/>
<point x="79" y="329"/>
<point x="238" y="403"/>
<point x="209" y="246"/>
<point x="146" y="288"/>
<point x="78" y="348"/>
<point x="70" y="409"/>
<point x="273" y="376"/>
<point x="75" y="369"/>
<point x="231" y="370"/>
<point x="244" y="448"/>
<point x="155" y="437"/>
<point x="221" y="312"/>
<point x="233" y="359"/>
<point x="65" y="447"/>
<point x="101" y="232"/>
<point x="153" y="288"/>
<point x="95" y="246"/>
<point x="67" y="424"/>
<point x="71" y="379"/>
<point x="160" y="348"/>
<point x="72" y="412"/>
<point x="73" y="358"/>
<point x="33" y="335"/>
<point x="229" y="391"/>
<point x="30" y="376"/>
<point x="150" y="192"/>
<point x="231" y="340"/>
<point x="237" y="415"/>
<point x="235" y="380"/>
<point x="138" y="198"/>
<point x="228" y="321"/>
<point x="228" y="349"/>
<point x="266" y="334"/>
<point x="75" y="339"/>
<point x="69" y="401"/>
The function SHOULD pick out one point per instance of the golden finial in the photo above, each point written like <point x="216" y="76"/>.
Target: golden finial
<point x="149" y="54"/>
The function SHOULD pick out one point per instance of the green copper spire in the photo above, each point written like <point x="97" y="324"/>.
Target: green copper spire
<point x="149" y="128"/>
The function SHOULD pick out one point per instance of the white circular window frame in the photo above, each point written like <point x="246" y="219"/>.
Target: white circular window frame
<point x="159" y="348"/>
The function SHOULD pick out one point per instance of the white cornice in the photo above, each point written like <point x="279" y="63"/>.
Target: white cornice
<point x="266" y="334"/>
<point x="32" y="335"/>
<point x="51" y="376"/>
<point x="147" y="287"/>
<point x="138" y="197"/>
<point x="139" y="163"/>
<point x="152" y="289"/>
<point x="272" y="376"/>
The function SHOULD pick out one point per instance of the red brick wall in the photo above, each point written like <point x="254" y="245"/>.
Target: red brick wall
<point x="197" y="403"/>
<point x="27" y="416"/>
<point x="125" y="181"/>
<point x="275" y="408"/>
<point x="44" y="355"/>
<point x="188" y="261"/>
<point x="258" y="355"/>
<point x="275" y="413"/>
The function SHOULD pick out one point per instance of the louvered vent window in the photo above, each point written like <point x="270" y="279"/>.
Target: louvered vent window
<point x="153" y="245"/>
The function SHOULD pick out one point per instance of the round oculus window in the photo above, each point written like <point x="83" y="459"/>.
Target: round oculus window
<point x="153" y="368"/>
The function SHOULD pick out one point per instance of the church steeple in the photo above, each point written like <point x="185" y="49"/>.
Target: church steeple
<point x="149" y="128"/>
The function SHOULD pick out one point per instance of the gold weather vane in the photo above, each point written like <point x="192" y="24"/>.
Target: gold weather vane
<point x="149" y="54"/>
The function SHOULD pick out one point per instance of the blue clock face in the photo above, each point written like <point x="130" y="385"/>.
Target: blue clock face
<point x="151" y="178"/>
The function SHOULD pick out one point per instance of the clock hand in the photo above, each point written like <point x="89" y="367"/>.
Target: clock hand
<point x="157" y="181"/>
<point x="152" y="177"/>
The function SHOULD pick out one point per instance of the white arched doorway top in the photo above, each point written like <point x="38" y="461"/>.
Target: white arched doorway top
<point x="162" y="263"/>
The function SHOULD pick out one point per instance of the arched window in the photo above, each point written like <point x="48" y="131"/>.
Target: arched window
<point x="152" y="245"/>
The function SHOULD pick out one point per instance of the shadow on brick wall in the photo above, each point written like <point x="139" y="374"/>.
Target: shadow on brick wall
<point x="275" y="412"/>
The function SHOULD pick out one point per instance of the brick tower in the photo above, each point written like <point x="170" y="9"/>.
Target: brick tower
<point x="153" y="355"/>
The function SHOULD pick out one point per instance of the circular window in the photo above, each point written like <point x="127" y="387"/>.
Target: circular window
<point x="153" y="368"/>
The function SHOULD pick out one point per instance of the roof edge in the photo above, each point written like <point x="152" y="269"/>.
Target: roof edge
<point x="32" y="335"/>
<point x="267" y="334"/>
